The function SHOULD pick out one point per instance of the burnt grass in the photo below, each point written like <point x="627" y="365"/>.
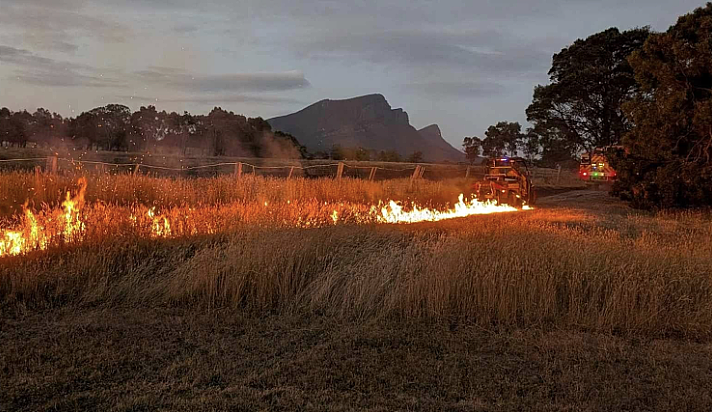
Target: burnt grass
<point x="130" y="360"/>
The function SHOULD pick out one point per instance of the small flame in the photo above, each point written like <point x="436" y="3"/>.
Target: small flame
<point x="34" y="236"/>
<point x="160" y="226"/>
<point x="72" y="206"/>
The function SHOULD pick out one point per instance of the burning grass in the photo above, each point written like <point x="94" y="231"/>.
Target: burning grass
<point x="294" y="246"/>
<point x="73" y="222"/>
<point x="568" y="268"/>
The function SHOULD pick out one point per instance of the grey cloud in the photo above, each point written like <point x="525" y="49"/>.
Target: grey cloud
<point x="45" y="43"/>
<point x="215" y="99"/>
<point x="185" y="28"/>
<point x="22" y="57"/>
<point x="54" y="4"/>
<point x="68" y="79"/>
<point x="488" y="51"/>
<point x="39" y="70"/>
<point x="59" y="24"/>
<point x="457" y="88"/>
<point x="385" y="10"/>
<point x="250" y="82"/>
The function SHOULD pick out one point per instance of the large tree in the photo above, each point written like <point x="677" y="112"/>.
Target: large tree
<point x="581" y="108"/>
<point x="502" y="138"/>
<point x="46" y="128"/>
<point x="473" y="148"/>
<point x="668" y="157"/>
<point x="12" y="128"/>
<point x="148" y="127"/>
<point x="106" y="127"/>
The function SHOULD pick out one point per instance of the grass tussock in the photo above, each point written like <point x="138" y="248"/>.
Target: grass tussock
<point x="566" y="268"/>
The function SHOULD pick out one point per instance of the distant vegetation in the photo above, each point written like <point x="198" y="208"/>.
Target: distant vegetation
<point x="115" y="127"/>
<point x="579" y="110"/>
<point x="648" y="94"/>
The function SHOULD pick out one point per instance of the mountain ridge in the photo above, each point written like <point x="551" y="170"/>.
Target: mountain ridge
<point x="366" y="121"/>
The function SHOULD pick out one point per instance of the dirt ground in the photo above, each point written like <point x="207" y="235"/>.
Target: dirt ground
<point x="133" y="360"/>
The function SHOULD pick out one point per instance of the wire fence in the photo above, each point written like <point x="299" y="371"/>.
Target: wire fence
<point x="289" y="169"/>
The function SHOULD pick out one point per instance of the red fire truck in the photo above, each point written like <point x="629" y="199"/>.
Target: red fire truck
<point x="594" y="167"/>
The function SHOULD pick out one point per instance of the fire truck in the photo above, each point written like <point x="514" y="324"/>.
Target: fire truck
<point x="508" y="181"/>
<point x="594" y="167"/>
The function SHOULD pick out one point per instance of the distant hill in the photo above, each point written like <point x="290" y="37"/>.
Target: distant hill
<point x="368" y="122"/>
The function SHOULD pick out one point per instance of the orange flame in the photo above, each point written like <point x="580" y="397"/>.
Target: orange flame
<point x="34" y="236"/>
<point x="160" y="226"/>
<point x="394" y="213"/>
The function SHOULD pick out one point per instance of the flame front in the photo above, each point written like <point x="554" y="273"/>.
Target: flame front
<point x="68" y="224"/>
<point x="73" y="225"/>
<point x="394" y="213"/>
<point x="34" y="236"/>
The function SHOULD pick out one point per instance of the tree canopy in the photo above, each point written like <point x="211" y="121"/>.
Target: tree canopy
<point x="581" y="108"/>
<point x="504" y="138"/>
<point x="473" y="148"/>
<point x="115" y="127"/>
<point x="669" y="151"/>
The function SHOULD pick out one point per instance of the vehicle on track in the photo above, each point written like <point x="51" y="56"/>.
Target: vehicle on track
<point x="508" y="181"/>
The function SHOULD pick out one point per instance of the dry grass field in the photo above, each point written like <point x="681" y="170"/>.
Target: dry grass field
<point x="579" y="304"/>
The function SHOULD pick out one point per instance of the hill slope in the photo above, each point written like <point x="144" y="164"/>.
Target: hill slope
<point x="366" y="121"/>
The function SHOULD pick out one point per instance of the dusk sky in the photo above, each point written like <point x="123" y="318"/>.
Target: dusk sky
<point x="461" y="64"/>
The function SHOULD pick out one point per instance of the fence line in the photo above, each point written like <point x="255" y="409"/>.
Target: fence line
<point x="24" y="159"/>
<point x="73" y="161"/>
<point x="419" y="170"/>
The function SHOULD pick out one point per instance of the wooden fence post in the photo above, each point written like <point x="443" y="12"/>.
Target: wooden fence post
<point x="467" y="173"/>
<point x="39" y="187"/>
<point x="416" y="173"/>
<point x="238" y="170"/>
<point x="422" y="172"/>
<point x="135" y="171"/>
<point x="558" y="174"/>
<point x="340" y="170"/>
<point x="52" y="165"/>
<point x="291" y="172"/>
<point x="373" y="174"/>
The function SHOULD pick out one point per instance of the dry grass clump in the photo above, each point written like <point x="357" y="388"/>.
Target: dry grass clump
<point x="18" y="188"/>
<point x="562" y="267"/>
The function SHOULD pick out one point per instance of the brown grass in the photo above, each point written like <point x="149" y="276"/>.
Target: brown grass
<point x="18" y="188"/>
<point x="563" y="267"/>
<point x="189" y="360"/>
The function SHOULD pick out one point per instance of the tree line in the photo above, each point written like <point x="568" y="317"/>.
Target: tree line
<point x="115" y="127"/>
<point x="644" y="96"/>
<point x="220" y="133"/>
